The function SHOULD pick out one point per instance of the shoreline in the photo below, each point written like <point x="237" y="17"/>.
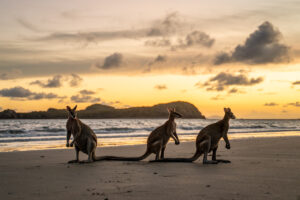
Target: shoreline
<point x="261" y="168"/>
<point x="131" y="141"/>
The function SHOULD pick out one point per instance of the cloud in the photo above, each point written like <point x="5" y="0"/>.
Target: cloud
<point x="160" y="58"/>
<point x="233" y="90"/>
<point x="54" y="82"/>
<point x="112" y="61"/>
<point x="296" y="104"/>
<point x="158" y="43"/>
<point x="27" y="25"/>
<point x="94" y="37"/>
<point x="157" y="59"/>
<point x="85" y="96"/>
<point x="20" y="93"/>
<point x="13" y="74"/>
<point x="160" y="87"/>
<point x="224" y="80"/>
<point x="271" y="104"/>
<point x="84" y="99"/>
<point x="168" y="26"/>
<point x="75" y="80"/>
<point x="218" y="97"/>
<point x="86" y="92"/>
<point x="57" y="81"/>
<point x="262" y="46"/>
<point x="196" y="38"/>
<point x="296" y="83"/>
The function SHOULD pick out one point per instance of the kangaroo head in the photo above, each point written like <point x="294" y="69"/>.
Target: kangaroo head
<point x="173" y="113"/>
<point x="72" y="112"/>
<point x="229" y="113"/>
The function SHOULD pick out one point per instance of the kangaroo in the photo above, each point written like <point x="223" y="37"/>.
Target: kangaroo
<point x="157" y="140"/>
<point x="207" y="141"/>
<point x="84" y="138"/>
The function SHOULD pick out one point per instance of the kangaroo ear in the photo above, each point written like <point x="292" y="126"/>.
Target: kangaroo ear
<point x="68" y="108"/>
<point x="169" y="110"/>
<point x="174" y="109"/>
<point x="74" y="108"/>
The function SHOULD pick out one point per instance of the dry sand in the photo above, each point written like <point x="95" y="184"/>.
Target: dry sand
<point x="261" y="168"/>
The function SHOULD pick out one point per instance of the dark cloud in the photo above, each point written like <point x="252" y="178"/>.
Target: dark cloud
<point x="112" y="61"/>
<point x="160" y="58"/>
<point x="75" y="80"/>
<point x="296" y="83"/>
<point x="296" y="104"/>
<point x="160" y="87"/>
<point x="54" y="82"/>
<point x="20" y="93"/>
<point x="271" y="104"/>
<point x="233" y="90"/>
<point x="224" y="80"/>
<point x="262" y="46"/>
<point x="222" y="58"/>
<point x="57" y="81"/>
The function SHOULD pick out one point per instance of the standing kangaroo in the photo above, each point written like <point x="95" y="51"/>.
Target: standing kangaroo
<point x="157" y="140"/>
<point x="207" y="141"/>
<point x="84" y="138"/>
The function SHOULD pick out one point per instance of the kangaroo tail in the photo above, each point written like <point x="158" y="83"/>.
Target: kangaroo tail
<point x="116" y="158"/>
<point x="191" y="159"/>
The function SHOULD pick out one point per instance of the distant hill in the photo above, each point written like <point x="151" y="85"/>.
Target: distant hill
<point x="99" y="111"/>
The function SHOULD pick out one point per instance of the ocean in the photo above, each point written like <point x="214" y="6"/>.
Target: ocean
<point x="22" y="135"/>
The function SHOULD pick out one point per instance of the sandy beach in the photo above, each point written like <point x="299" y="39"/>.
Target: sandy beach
<point x="261" y="168"/>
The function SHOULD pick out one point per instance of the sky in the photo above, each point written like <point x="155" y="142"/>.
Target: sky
<point x="214" y="54"/>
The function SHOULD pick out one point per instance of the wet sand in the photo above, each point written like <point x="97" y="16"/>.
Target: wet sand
<point x="261" y="168"/>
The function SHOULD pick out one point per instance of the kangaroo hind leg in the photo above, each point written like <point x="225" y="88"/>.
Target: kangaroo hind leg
<point x="205" y="146"/>
<point x="90" y="150"/>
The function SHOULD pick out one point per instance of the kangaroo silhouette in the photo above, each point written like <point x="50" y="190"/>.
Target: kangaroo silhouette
<point x="157" y="140"/>
<point x="207" y="141"/>
<point x="84" y="138"/>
